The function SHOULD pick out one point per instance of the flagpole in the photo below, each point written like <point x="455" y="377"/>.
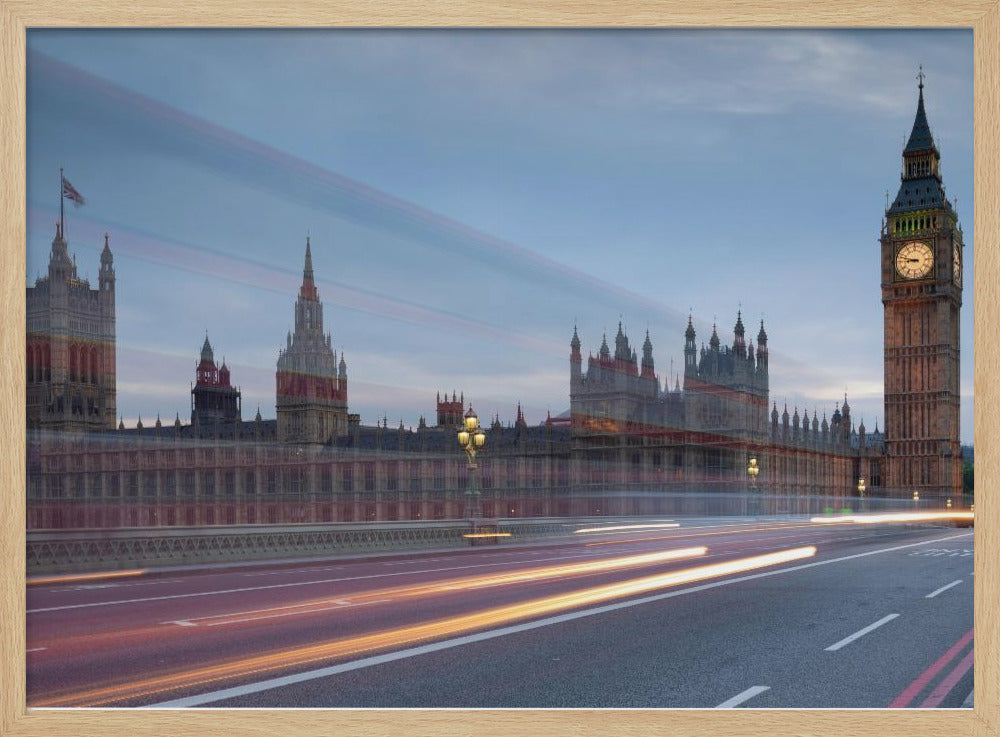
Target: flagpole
<point x="62" y="198"/>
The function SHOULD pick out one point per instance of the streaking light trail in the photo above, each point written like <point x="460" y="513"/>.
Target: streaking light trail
<point x="871" y="519"/>
<point x="625" y="527"/>
<point x="412" y="634"/>
<point x="447" y="586"/>
<point x="78" y="577"/>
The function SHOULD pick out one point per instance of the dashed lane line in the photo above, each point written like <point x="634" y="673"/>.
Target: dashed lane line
<point x="861" y="633"/>
<point x="944" y="588"/>
<point x="743" y="696"/>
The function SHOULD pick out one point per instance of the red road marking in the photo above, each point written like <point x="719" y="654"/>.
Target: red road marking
<point x="948" y="682"/>
<point x="921" y="681"/>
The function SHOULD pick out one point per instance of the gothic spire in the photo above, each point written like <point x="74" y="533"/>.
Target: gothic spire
<point x="308" y="289"/>
<point x="739" y="333"/>
<point x="206" y="350"/>
<point x="920" y="136"/>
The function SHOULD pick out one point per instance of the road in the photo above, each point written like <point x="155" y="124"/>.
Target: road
<point x="730" y="613"/>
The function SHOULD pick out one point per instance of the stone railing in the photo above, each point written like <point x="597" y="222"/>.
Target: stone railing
<point x="66" y="551"/>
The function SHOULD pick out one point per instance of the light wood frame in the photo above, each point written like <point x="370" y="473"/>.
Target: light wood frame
<point x="983" y="16"/>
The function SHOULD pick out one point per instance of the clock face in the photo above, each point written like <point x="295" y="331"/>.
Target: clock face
<point x="958" y="265"/>
<point x="914" y="260"/>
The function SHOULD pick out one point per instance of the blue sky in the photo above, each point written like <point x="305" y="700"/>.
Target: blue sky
<point x="470" y="195"/>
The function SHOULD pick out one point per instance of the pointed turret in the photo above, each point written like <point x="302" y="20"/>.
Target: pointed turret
<point x="762" y="355"/>
<point x="520" y="422"/>
<point x="713" y="342"/>
<point x="622" y="350"/>
<point x="575" y="358"/>
<point x="647" y="358"/>
<point x="690" y="350"/>
<point x="605" y="352"/>
<point x="206" y="351"/>
<point x="739" y="336"/>
<point x="61" y="266"/>
<point x="107" y="273"/>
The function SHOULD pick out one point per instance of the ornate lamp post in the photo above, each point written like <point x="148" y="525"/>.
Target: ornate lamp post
<point x="752" y="470"/>
<point x="861" y="493"/>
<point x="916" y="499"/>
<point x="472" y="438"/>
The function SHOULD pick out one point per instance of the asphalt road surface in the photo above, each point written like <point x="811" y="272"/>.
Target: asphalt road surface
<point x="713" y="613"/>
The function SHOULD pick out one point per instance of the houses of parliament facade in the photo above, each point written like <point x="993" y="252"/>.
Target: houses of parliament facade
<point x="630" y="443"/>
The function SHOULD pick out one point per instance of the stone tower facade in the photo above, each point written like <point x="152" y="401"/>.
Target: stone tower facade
<point x="451" y="412"/>
<point x="214" y="400"/>
<point x="311" y="387"/>
<point x="922" y="258"/>
<point x="71" y="345"/>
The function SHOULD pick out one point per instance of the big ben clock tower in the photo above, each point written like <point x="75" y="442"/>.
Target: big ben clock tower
<point x="922" y="296"/>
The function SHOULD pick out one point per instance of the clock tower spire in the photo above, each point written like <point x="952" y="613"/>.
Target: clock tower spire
<point x="921" y="246"/>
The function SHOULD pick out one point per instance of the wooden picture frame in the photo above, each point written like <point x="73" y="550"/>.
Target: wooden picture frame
<point x="983" y="16"/>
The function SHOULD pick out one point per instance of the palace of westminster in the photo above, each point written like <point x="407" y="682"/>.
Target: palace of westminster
<point x="629" y="445"/>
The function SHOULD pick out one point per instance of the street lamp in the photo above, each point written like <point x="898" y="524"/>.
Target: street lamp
<point x="861" y="492"/>
<point x="472" y="438"/>
<point x="916" y="498"/>
<point x="752" y="471"/>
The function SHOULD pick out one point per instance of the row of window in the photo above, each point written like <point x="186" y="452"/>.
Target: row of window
<point x="916" y="224"/>
<point x="365" y="476"/>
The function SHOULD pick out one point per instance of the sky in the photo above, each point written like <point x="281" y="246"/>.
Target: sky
<point x="471" y="195"/>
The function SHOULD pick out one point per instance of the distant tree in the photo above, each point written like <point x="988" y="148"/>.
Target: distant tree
<point x="968" y="485"/>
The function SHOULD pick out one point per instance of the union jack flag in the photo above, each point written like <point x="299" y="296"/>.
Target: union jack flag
<point x="70" y="193"/>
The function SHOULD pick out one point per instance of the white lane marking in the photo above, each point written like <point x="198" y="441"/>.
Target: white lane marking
<point x="35" y="649"/>
<point x="861" y="633"/>
<point x="181" y="622"/>
<point x="297" y="570"/>
<point x="743" y="696"/>
<point x="268" y="684"/>
<point x="934" y="593"/>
